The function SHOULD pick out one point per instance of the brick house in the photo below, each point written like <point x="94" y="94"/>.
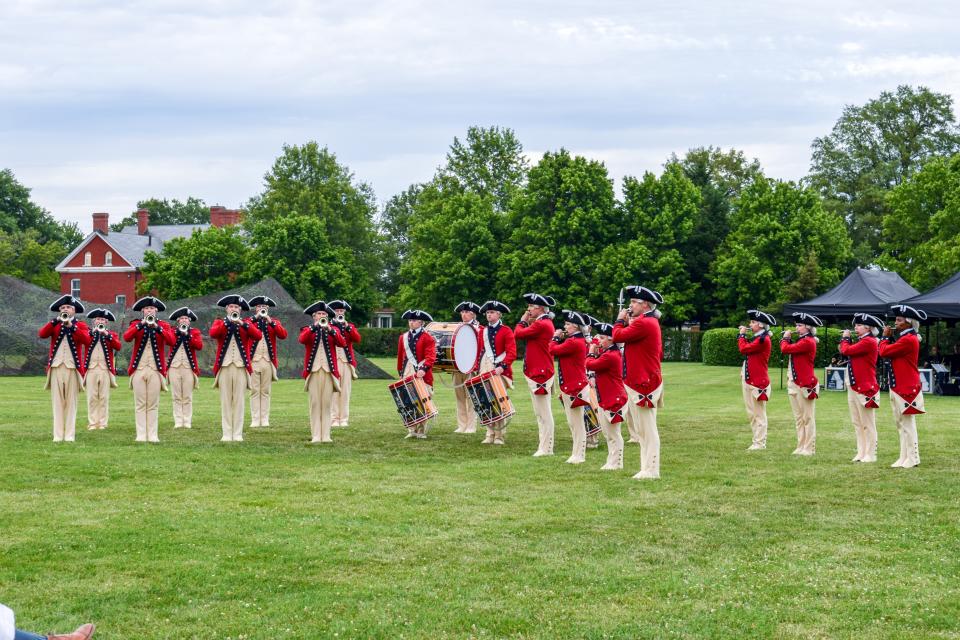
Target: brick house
<point x="105" y="267"/>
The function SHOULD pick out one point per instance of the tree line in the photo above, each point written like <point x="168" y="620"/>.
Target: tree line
<point x="710" y="230"/>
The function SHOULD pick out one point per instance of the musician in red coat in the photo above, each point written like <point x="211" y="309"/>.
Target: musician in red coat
<point x="65" y="364"/>
<point x="263" y="359"/>
<point x="466" y="416"/>
<point x="605" y="362"/>
<point x="906" y="389"/>
<point x="347" y="363"/>
<point x="802" y="385"/>
<point x="498" y="349"/>
<point x="183" y="367"/>
<point x="569" y="347"/>
<point x="148" y="366"/>
<point x="536" y="328"/>
<point x="101" y="370"/>
<point x="321" y="369"/>
<point x="232" y="368"/>
<point x="755" y="381"/>
<point x="642" y="353"/>
<point x="862" y="387"/>
<point x="416" y="353"/>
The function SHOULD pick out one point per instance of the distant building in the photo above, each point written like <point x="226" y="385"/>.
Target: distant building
<point x="381" y="318"/>
<point x="105" y="267"/>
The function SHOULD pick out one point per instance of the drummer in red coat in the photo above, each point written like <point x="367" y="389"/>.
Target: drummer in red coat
<point x="536" y="328"/>
<point x="101" y="369"/>
<point x="906" y="390"/>
<point x="346" y="362"/>
<point x="802" y="386"/>
<point x="605" y="362"/>
<point x="569" y="347"/>
<point x="755" y="345"/>
<point x="232" y="367"/>
<point x="862" y="390"/>
<point x="416" y="353"/>
<point x="321" y="368"/>
<point x="642" y="354"/>
<point x="263" y="359"/>
<point x="466" y="416"/>
<point x="65" y="364"/>
<point x="148" y="365"/>
<point x="499" y="349"/>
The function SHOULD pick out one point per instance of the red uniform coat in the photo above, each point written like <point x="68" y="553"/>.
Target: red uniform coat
<point x="504" y="345"/>
<point x="243" y="333"/>
<point x="352" y="336"/>
<point x="611" y="394"/>
<point x="756" y="352"/>
<point x="109" y="342"/>
<point x="311" y="337"/>
<point x="191" y="342"/>
<point x="642" y="353"/>
<point x="904" y="352"/>
<point x="537" y="361"/>
<point x="571" y="355"/>
<point x="862" y="366"/>
<point x="424" y="348"/>
<point x="802" y="354"/>
<point x="158" y="337"/>
<point x="273" y="329"/>
<point x="77" y="337"/>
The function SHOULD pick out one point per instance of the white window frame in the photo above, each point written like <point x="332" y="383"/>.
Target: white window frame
<point x="108" y="259"/>
<point x="121" y="299"/>
<point x="75" y="287"/>
<point x="88" y="259"/>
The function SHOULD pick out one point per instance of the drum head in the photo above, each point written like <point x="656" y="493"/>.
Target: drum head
<point x="466" y="350"/>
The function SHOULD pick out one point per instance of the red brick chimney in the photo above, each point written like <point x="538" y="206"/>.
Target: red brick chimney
<point x="143" y="221"/>
<point x="101" y="223"/>
<point x="217" y="216"/>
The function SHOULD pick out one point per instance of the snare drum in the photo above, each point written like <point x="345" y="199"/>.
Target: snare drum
<point x="458" y="347"/>
<point x="413" y="401"/>
<point x="489" y="395"/>
<point x="591" y="414"/>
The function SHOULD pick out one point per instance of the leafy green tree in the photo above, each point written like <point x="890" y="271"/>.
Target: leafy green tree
<point x="192" y="211"/>
<point x="24" y="256"/>
<point x="875" y="147"/>
<point x="490" y="162"/>
<point x="394" y="226"/>
<point x="308" y="181"/>
<point x="211" y="260"/>
<point x="561" y="222"/>
<point x="921" y="234"/>
<point x="775" y="229"/>
<point x="720" y="176"/>
<point x="19" y="213"/>
<point x="297" y="251"/>
<point x="656" y="218"/>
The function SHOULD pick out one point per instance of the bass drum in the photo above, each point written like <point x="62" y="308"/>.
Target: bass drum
<point x="458" y="347"/>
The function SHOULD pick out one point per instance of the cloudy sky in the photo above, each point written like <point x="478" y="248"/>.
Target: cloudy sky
<point x="103" y="102"/>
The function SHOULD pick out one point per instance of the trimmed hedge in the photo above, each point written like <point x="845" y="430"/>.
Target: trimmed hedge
<point x="720" y="347"/>
<point x="681" y="346"/>
<point x="379" y="342"/>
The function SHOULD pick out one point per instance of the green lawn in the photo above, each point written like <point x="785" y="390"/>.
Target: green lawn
<point x="380" y="537"/>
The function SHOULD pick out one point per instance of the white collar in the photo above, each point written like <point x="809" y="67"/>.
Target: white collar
<point x="906" y="331"/>
<point x="494" y="325"/>
<point x="759" y="333"/>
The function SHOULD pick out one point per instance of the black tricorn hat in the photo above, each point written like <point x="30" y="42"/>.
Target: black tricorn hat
<point x="67" y="299"/>
<point x="339" y="304"/>
<point x="466" y="305"/>
<point x="319" y="305"/>
<point x="762" y="316"/>
<point x="148" y="301"/>
<point x="494" y="305"/>
<point x="102" y="313"/>
<point x="417" y="314"/>
<point x="643" y="293"/>
<point x="183" y="311"/>
<point x="538" y="299"/>
<point x="867" y="319"/>
<point x="603" y="328"/>
<point x="234" y="298"/>
<point x="906" y="311"/>
<point x="807" y="318"/>
<point x="257" y="300"/>
<point x="575" y="317"/>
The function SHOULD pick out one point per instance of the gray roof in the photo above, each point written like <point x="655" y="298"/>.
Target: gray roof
<point x="132" y="247"/>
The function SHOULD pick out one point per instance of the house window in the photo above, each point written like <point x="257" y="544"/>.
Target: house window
<point x="75" y="287"/>
<point x="87" y="259"/>
<point x="122" y="301"/>
<point x="385" y="322"/>
<point x="108" y="259"/>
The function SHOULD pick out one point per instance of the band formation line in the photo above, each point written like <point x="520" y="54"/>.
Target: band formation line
<point x="603" y="374"/>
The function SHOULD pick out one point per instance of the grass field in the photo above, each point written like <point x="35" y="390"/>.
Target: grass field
<point x="380" y="537"/>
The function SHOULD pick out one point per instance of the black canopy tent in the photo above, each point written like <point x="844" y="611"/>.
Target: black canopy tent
<point x="863" y="290"/>
<point x="941" y="303"/>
